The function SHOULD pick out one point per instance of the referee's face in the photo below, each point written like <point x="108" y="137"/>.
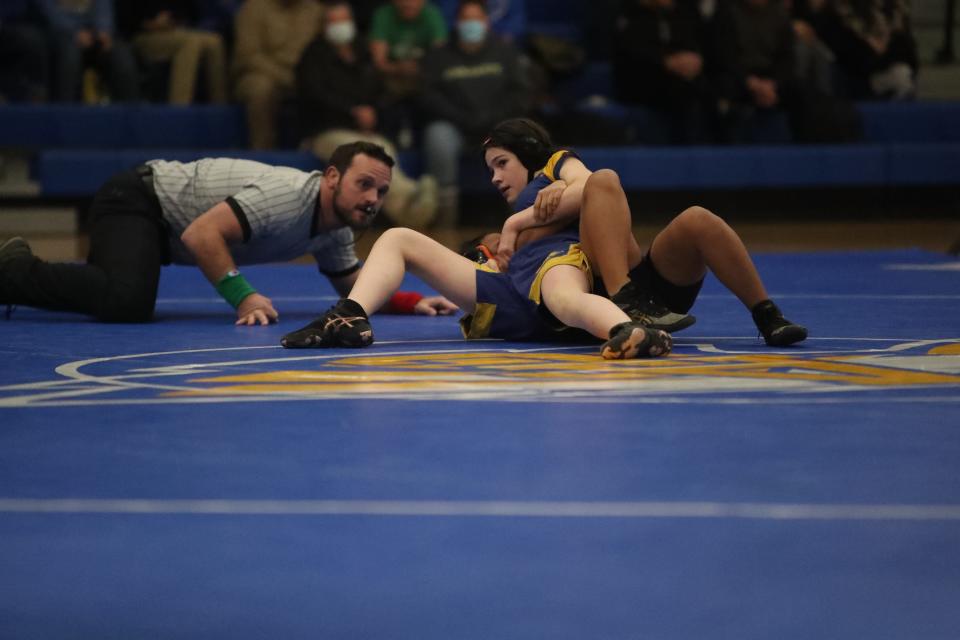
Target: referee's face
<point x="360" y="191"/>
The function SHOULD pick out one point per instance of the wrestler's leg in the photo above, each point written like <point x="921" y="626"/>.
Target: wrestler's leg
<point x="567" y="295"/>
<point x="606" y="230"/>
<point x="565" y="291"/>
<point x="400" y="250"/>
<point x="606" y="235"/>
<point x="697" y="240"/>
<point x="397" y="251"/>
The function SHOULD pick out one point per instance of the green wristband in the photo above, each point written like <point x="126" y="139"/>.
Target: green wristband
<point x="234" y="288"/>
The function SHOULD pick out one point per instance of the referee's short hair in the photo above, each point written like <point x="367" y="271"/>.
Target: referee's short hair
<point x="343" y="155"/>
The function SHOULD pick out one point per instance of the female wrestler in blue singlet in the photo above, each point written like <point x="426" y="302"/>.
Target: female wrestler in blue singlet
<point x="656" y="287"/>
<point x="547" y="205"/>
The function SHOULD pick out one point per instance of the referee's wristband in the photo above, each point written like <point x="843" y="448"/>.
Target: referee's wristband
<point x="234" y="288"/>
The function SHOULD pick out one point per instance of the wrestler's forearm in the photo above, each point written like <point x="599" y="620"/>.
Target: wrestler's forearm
<point x="535" y="233"/>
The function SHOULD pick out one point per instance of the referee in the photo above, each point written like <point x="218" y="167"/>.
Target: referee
<point x="217" y="214"/>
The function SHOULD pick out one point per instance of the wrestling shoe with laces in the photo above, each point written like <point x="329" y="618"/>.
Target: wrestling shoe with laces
<point x="777" y="331"/>
<point x="345" y="324"/>
<point x="635" y="340"/>
<point x="642" y="307"/>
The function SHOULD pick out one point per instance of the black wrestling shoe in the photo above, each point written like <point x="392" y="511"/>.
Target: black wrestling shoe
<point x="13" y="250"/>
<point x="635" y="340"/>
<point x="345" y="324"/>
<point x="777" y="331"/>
<point x="642" y="307"/>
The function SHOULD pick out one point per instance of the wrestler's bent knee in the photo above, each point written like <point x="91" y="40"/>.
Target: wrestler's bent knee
<point x="605" y="179"/>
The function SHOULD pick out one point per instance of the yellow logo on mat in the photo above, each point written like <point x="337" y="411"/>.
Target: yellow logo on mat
<point x="518" y="375"/>
<point x="927" y="370"/>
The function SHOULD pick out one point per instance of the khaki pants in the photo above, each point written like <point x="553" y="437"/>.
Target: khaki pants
<point x="261" y="95"/>
<point x="402" y="187"/>
<point x="186" y="50"/>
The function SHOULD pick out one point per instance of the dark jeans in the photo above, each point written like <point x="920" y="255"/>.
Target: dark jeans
<point x="118" y="67"/>
<point x="24" y="64"/>
<point x="128" y="243"/>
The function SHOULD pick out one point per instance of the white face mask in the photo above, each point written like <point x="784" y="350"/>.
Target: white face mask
<point x="341" y="32"/>
<point x="472" y="31"/>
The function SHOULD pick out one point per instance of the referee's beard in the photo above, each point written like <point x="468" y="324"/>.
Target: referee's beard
<point x="357" y="218"/>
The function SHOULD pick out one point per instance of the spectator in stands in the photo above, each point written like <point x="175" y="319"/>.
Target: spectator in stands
<point x="363" y="11"/>
<point x="874" y="46"/>
<point x="214" y="214"/>
<point x="164" y="36"/>
<point x="658" y="63"/>
<point x="218" y="16"/>
<point x="401" y="33"/>
<point x="24" y="63"/>
<point x="815" y="60"/>
<point x="753" y="45"/>
<point x="341" y="98"/>
<point x="271" y="35"/>
<point x="82" y="35"/>
<point x="468" y="86"/>
<point x="508" y="18"/>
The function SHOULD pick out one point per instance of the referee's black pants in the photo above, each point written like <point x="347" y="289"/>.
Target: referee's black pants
<point x="128" y="245"/>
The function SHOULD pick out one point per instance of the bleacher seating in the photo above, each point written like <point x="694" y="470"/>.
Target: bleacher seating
<point x="75" y="149"/>
<point x="53" y="126"/>
<point x="74" y="172"/>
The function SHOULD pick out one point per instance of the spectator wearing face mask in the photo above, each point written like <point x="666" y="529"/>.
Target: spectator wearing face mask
<point x="341" y="98"/>
<point x="469" y="85"/>
<point x="508" y="18"/>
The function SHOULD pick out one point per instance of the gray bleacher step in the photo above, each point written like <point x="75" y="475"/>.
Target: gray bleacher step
<point x="47" y="220"/>
<point x="19" y="189"/>
<point x="15" y="179"/>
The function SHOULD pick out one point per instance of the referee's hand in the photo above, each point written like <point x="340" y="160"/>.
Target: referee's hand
<point x="256" y="309"/>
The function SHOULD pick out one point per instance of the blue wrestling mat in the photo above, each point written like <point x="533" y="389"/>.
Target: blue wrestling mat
<point x="192" y="479"/>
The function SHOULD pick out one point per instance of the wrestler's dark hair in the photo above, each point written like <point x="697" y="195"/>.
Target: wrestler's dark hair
<point x="343" y="155"/>
<point x="529" y="141"/>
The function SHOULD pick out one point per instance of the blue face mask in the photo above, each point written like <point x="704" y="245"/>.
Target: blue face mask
<point x="472" y="31"/>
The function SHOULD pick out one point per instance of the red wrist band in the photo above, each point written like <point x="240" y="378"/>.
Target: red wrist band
<point x="403" y="302"/>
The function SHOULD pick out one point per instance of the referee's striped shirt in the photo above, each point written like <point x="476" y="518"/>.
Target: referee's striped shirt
<point x="275" y="206"/>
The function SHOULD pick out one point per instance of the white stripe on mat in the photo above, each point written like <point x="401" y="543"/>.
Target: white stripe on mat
<point x="510" y="509"/>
